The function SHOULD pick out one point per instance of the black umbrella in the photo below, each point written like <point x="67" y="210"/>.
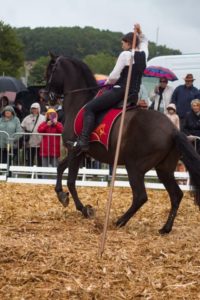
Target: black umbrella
<point x="29" y="96"/>
<point x="11" y="84"/>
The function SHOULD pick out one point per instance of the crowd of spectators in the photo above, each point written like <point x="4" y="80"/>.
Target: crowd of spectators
<point x="45" y="116"/>
<point x="181" y="105"/>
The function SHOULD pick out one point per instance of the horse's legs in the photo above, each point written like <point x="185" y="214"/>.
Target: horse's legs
<point x="63" y="197"/>
<point x="74" y="163"/>
<point x="136" y="180"/>
<point x="175" y="194"/>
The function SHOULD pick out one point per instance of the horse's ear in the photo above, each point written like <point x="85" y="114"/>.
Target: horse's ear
<point x="52" y="55"/>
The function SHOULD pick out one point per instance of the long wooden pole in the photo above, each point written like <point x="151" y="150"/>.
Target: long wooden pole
<point x="109" y="201"/>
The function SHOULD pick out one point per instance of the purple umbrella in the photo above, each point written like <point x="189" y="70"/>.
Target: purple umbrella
<point x="159" y="72"/>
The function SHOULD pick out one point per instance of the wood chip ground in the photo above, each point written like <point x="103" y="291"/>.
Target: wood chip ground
<point x="51" y="252"/>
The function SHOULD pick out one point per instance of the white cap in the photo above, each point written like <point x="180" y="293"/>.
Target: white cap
<point x="35" y="105"/>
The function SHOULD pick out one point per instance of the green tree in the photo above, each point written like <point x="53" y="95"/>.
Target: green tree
<point x="155" y="50"/>
<point x="100" y="63"/>
<point x="37" y="73"/>
<point x="11" y="51"/>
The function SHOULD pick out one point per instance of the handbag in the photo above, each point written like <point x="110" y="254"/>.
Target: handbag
<point x="26" y="138"/>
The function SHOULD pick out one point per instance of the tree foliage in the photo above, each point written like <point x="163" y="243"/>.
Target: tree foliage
<point x="67" y="41"/>
<point x="77" y="42"/>
<point x="161" y="50"/>
<point x="100" y="63"/>
<point x="37" y="73"/>
<point x="11" y="51"/>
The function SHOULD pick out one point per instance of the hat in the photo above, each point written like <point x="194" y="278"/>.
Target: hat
<point x="8" y="108"/>
<point x="189" y="77"/>
<point x="50" y="111"/>
<point x="35" y="105"/>
<point x="171" y="106"/>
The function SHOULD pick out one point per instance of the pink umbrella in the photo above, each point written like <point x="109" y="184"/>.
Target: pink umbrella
<point x="11" y="95"/>
<point x="159" y="72"/>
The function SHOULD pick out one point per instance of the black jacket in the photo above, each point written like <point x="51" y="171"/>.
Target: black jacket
<point x="192" y="124"/>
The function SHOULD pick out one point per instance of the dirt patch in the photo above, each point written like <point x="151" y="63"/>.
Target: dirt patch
<point x="48" y="252"/>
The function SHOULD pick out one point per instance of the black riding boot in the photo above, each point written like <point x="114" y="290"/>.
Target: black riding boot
<point x="83" y="142"/>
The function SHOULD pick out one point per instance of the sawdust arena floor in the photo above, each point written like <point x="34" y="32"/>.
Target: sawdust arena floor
<point x="51" y="252"/>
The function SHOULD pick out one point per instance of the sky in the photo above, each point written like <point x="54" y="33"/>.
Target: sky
<point x="174" y="23"/>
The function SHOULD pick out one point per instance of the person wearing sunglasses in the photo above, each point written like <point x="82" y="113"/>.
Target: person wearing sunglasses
<point x="183" y="96"/>
<point x="161" y="96"/>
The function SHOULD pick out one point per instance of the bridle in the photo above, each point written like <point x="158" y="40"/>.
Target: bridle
<point x="52" y="95"/>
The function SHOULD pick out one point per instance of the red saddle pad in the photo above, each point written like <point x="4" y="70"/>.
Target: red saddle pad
<point x="102" y="132"/>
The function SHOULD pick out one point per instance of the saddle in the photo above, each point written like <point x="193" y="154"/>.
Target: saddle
<point x="106" y="119"/>
<point x="104" y="123"/>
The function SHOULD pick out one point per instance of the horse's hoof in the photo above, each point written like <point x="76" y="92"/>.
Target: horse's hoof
<point x="63" y="197"/>
<point x="88" y="211"/>
<point x="164" y="230"/>
<point x="120" y="223"/>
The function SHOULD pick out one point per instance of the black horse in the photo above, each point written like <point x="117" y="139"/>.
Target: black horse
<point x="149" y="140"/>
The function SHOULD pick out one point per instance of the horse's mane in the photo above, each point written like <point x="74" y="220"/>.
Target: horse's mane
<point x="86" y="73"/>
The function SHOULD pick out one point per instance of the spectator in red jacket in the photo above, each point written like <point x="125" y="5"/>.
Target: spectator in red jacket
<point x="50" y="144"/>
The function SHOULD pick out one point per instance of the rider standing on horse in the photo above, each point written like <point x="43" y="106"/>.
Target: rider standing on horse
<point x="118" y="78"/>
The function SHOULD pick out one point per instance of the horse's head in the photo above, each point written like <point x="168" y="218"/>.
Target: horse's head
<point x="66" y="75"/>
<point x="54" y="76"/>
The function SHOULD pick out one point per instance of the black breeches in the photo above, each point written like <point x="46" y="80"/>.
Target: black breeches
<point x="108" y="99"/>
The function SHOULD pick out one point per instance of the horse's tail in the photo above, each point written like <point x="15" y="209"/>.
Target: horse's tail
<point x="192" y="162"/>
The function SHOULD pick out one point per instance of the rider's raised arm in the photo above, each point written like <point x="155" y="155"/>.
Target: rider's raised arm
<point x="143" y="41"/>
<point x="143" y="44"/>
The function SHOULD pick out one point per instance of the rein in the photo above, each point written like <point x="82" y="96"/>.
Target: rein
<point x="87" y="89"/>
<point x="53" y="95"/>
